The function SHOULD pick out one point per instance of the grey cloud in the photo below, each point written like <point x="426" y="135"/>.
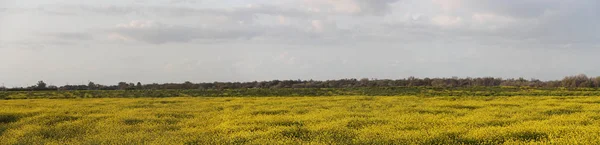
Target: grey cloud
<point x="110" y="10"/>
<point x="351" y="7"/>
<point x="14" y="10"/>
<point x="75" y="36"/>
<point x="45" y="40"/>
<point x="553" y="29"/>
<point x="158" y="33"/>
<point x="37" y="45"/>
<point x="515" y="8"/>
<point x="177" y="11"/>
<point x="533" y="23"/>
<point x="49" y="9"/>
<point x="573" y="22"/>
<point x="185" y="1"/>
<point x="528" y="8"/>
<point x="367" y="7"/>
<point x="567" y="27"/>
<point x="50" y="40"/>
<point x="376" y="7"/>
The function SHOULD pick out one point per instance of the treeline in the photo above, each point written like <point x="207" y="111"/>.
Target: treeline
<point x="577" y="81"/>
<point x="305" y="92"/>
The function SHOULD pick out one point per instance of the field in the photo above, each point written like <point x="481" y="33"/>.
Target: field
<point x="302" y="120"/>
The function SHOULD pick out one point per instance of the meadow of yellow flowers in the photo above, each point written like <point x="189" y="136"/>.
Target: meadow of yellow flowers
<point x="302" y="120"/>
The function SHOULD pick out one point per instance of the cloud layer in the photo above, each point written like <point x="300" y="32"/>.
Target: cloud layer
<point x="288" y="39"/>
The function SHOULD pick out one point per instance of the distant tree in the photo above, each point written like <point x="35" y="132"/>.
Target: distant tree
<point x="412" y="81"/>
<point x="364" y="82"/>
<point x="281" y="84"/>
<point x="298" y="85"/>
<point x="52" y="87"/>
<point x="580" y="80"/>
<point x="596" y="82"/>
<point x="41" y="85"/>
<point x="187" y="85"/>
<point x="577" y="81"/>
<point x="438" y="83"/>
<point x="122" y="85"/>
<point x="260" y="84"/>
<point x="92" y="86"/>
<point x="131" y="86"/>
<point x="139" y="86"/>
<point x="586" y="84"/>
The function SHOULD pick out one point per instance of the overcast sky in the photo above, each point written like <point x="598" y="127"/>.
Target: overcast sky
<point x="107" y="41"/>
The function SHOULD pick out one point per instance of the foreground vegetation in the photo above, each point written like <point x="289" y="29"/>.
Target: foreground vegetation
<point x="302" y="120"/>
<point x="304" y="92"/>
<point x="578" y="81"/>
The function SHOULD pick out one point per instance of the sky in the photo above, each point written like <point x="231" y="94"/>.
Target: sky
<point x="162" y="41"/>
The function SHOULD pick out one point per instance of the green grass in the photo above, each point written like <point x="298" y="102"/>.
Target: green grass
<point x="302" y="120"/>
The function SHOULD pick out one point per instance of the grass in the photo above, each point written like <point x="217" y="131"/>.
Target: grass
<point x="302" y="120"/>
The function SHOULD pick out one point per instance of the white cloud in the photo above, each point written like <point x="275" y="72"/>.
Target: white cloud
<point x="285" y="58"/>
<point x="345" y="6"/>
<point x="448" y="5"/>
<point x="491" y="18"/>
<point x="447" y="21"/>
<point x="138" y="24"/>
<point x="158" y="33"/>
<point x="492" y="21"/>
<point x="283" y="20"/>
<point x="185" y="1"/>
<point x="68" y="36"/>
<point x="353" y="7"/>
<point x="317" y="25"/>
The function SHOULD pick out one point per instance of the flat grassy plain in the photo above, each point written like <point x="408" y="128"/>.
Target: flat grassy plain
<point x="302" y="120"/>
